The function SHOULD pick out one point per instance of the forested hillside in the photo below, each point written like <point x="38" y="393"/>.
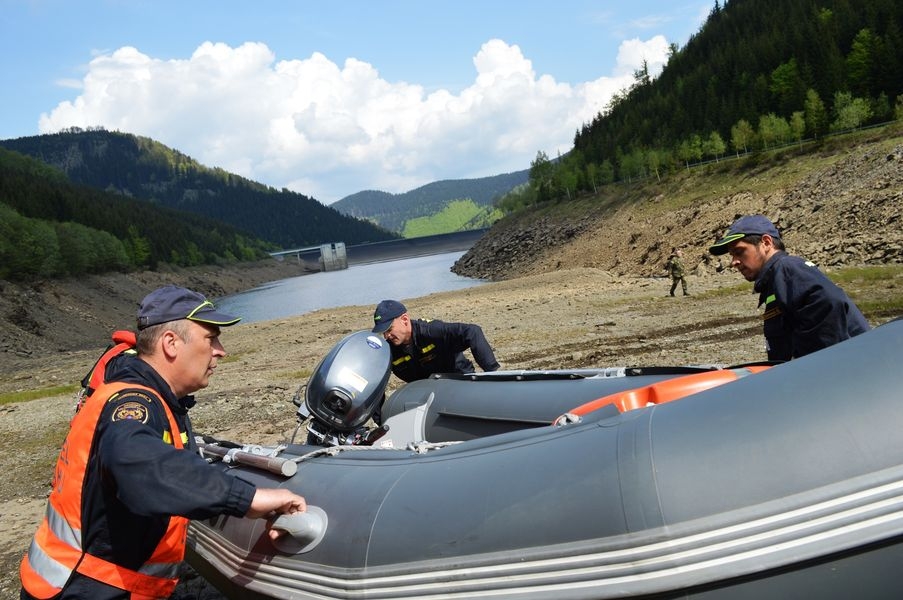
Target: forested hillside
<point x="392" y="211"/>
<point x="759" y="74"/>
<point x="147" y="170"/>
<point x="51" y="227"/>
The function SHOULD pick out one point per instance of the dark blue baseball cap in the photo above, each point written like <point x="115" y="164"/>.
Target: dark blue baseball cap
<point x="386" y="311"/>
<point x="742" y="227"/>
<point x="172" y="303"/>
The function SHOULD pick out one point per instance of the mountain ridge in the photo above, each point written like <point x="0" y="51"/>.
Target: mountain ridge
<point x="145" y="169"/>
<point x="52" y="227"/>
<point x="392" y="211"/>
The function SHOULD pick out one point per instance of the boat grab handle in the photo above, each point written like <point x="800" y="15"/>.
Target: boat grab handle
<point x="304" y="530"/>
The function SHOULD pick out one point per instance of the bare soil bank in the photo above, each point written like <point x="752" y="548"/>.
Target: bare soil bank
<point x="45" y="319"/>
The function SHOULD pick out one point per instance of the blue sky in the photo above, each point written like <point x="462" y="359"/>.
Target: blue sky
<point x="331" y="98"/>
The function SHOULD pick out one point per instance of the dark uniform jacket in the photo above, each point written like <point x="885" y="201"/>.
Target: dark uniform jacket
<point x="437" y="347"/>
<point x="804" y="310"/>
<point x="135" y="480"/>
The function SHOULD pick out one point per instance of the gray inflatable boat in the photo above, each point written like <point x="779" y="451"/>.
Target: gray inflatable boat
<point x="700" y="482"/>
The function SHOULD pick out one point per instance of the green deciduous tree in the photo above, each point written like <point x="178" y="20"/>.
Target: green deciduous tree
<point x="849" y="112"/>
<point x="77" y="248"/>
<point x="815" y="113"/>
<point x="690" y="150"/>
<point x="655" y="161"/>
<point x="518" y="198"/>
<point x="632" y="165"/>
<point x="110" y="253"/>
<point x="773" y="130"/>
<point x="138" y="248"/>
<point x="742" y="136"/>
<point x="566" y="180"/>
<point x="542" y="172"/>
<point x="881" y="110"/>
<point x="714" y="146"/>
<point x="10" y="224"/>
<point x="607" y="171"/>
<point x="798" y="125"/>
<point x="592" y="176"/>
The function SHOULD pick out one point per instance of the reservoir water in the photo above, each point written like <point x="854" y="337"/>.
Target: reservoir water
<point x="363" y="284"/>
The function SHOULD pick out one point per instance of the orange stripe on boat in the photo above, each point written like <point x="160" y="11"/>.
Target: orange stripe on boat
<point x="667" y="390"/>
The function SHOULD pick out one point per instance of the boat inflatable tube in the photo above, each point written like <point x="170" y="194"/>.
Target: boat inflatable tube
<point x="783" y="483"/>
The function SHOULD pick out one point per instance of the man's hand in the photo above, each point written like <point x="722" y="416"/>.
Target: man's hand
<point x="275" y="500"/>
<point x="270" y="501"/>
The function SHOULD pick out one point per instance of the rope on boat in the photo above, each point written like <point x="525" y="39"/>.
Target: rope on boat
<point x="416" y="447"/>
<point x="424" y="447"/>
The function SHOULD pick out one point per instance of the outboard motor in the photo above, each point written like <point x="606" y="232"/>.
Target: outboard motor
<point x="345" y="390"/>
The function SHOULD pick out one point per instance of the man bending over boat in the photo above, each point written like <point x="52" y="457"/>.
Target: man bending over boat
<point x="421" y="347"/>
<point x="129" y="475"/>
<point x="804" y="310"/>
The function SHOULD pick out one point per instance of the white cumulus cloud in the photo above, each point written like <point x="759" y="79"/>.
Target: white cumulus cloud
<point x="328" y="130"/>
<point x="632" y="53"/>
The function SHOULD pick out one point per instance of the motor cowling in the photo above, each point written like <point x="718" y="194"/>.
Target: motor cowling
<point x="349" y="383"/>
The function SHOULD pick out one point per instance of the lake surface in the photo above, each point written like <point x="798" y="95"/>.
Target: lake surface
<point x="365" y="284"/>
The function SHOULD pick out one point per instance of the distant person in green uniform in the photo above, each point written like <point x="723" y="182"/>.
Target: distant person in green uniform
<point x="675" y="268"/>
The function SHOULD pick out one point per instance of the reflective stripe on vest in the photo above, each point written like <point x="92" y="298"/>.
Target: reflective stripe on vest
<point x="167" y="437"/>
<point x="56" y="550"/>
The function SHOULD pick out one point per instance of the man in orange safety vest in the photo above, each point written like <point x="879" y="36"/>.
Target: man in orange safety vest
<point x="124" y="488"/>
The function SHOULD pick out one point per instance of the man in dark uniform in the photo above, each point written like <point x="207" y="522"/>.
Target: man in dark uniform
<point x="804" y="310"/>
<point x="421" y="347"/>
<point x="129" y="474"/>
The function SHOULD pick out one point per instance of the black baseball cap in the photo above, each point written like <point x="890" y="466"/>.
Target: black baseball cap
<point x="386" y="312"/>
<point x="173" y="303"/>
<point x="742" y="227"/>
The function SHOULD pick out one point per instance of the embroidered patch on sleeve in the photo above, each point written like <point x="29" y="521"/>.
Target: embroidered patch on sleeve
<point x="130" y="411"/>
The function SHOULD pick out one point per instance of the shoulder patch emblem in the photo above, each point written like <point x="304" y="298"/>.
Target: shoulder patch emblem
<point x="130" y="411"/>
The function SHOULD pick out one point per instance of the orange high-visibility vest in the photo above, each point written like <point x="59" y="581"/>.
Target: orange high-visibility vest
<point x="56" y="550"/>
